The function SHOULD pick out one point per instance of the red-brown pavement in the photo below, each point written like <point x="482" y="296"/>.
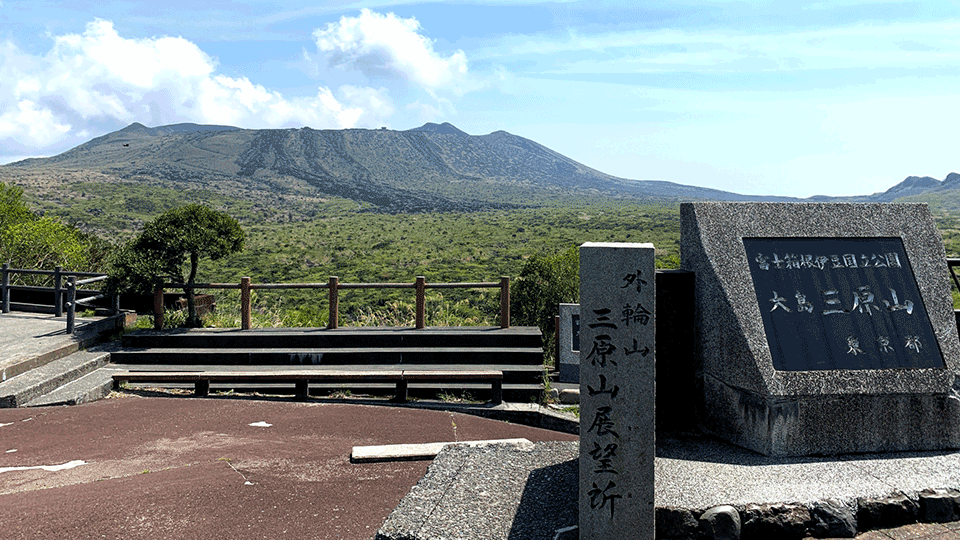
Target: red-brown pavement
<point x="179" y="467"/>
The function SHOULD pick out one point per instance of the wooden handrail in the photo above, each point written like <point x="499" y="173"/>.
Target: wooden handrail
<point x="58" y="290"/>
<point x="333" y="286"/>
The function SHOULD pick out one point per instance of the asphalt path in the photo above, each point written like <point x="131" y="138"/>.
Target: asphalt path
<point x="177" y="467"/>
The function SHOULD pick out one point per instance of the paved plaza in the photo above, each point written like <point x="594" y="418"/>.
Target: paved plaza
<point x="146" y="464"/>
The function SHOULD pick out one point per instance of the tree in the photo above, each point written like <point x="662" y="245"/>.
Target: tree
<point x="543" y="284"/>
<point x="41" y="243"/>
<point x="12" y="208"/>
<point x="174" y="239"/>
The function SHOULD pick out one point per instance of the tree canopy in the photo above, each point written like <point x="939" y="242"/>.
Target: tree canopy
<point x="32" y="242"/>
<point x="12" y="208"/>
<point x="172" y="244"/>
<point x="543" y="284"/>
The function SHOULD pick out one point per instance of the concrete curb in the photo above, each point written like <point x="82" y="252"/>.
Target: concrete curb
<point x="528" y="414"/>
<point x="416" y="452"/>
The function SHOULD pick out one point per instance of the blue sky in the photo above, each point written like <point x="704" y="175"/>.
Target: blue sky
<point x="757" y="97"/>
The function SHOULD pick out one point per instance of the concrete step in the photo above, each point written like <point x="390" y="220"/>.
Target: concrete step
<point x="91" y="387"/>
<point x="355" y="337"/>
<point x="512" y="373"/>
<point x="333" y="356"/>
<point x="21" y="355"/>
<point x="26" y="387"/>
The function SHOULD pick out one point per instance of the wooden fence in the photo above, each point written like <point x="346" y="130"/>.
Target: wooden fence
<point x="57" y="291"/>
<point x="951" y="264"/>
<point x="334" y="286"/>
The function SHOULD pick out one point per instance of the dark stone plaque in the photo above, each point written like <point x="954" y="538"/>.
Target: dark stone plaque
<point x="841" y="303"/>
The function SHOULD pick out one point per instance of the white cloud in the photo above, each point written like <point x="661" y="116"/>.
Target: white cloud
<point x="36" y="126"/>
<point x="375" y="102"/>
<point x="910" y="45"/>
<point x="101" y="77"/>
<point x="387" y="46"/>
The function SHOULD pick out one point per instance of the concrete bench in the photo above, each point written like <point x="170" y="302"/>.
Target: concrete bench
<point x="302" y="378"/>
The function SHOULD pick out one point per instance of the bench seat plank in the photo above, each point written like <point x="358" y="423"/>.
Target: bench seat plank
<point x="289" y="375"/>
<point x="202" y="379"/>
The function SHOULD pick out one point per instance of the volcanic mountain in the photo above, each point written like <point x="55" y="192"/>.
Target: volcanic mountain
<point x="435" y="167"/>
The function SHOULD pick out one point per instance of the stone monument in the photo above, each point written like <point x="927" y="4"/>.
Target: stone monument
<point x="823" y="328"/>
<point x="569" y="339"/>
<point x="617" y="397"/>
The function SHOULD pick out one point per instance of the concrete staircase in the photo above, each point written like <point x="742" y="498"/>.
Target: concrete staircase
<point x="516" y="351"/>
<point x="70" y="380"/>
<point x="44" y="366"/>
<point x="71" y="376"/>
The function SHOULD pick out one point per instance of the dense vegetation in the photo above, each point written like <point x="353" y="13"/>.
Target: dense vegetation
<point x="310" y="242"/>
<point x="317" y="238"/>
<point x="31" y="241"/>
<point x="359" y="246"/>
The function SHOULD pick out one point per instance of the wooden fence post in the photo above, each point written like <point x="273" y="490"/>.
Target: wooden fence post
<point x="58" y="291"/>
<point x="158" y="309"/>
<point x="504" y="302"/>
<point x="332" y="289"/>
<point x="5" y="286"/>
<point x="71" y="303"/>
<point x="245" y="303"/>
<point x="421" y="301"/>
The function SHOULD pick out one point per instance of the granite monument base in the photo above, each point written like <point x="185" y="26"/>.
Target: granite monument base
<point x="830" y="424"/>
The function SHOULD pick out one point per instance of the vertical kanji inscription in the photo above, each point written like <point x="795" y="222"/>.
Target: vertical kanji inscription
<point x="617" y="390"/>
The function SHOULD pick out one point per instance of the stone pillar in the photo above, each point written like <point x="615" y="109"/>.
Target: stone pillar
<point x="617" y="390"/>
<point x="568" y="351"/>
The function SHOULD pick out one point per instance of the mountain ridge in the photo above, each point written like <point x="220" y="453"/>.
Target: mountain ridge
<point x="918" y="185"/>
<point x="434" y="167"/>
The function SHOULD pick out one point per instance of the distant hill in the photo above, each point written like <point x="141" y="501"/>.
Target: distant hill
<point x="435" y="167"/>
<point x="918" y="185"/>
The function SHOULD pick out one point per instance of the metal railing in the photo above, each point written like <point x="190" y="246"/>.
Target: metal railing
<point x="334" y="286"/>
<point x="58" y="290"/>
